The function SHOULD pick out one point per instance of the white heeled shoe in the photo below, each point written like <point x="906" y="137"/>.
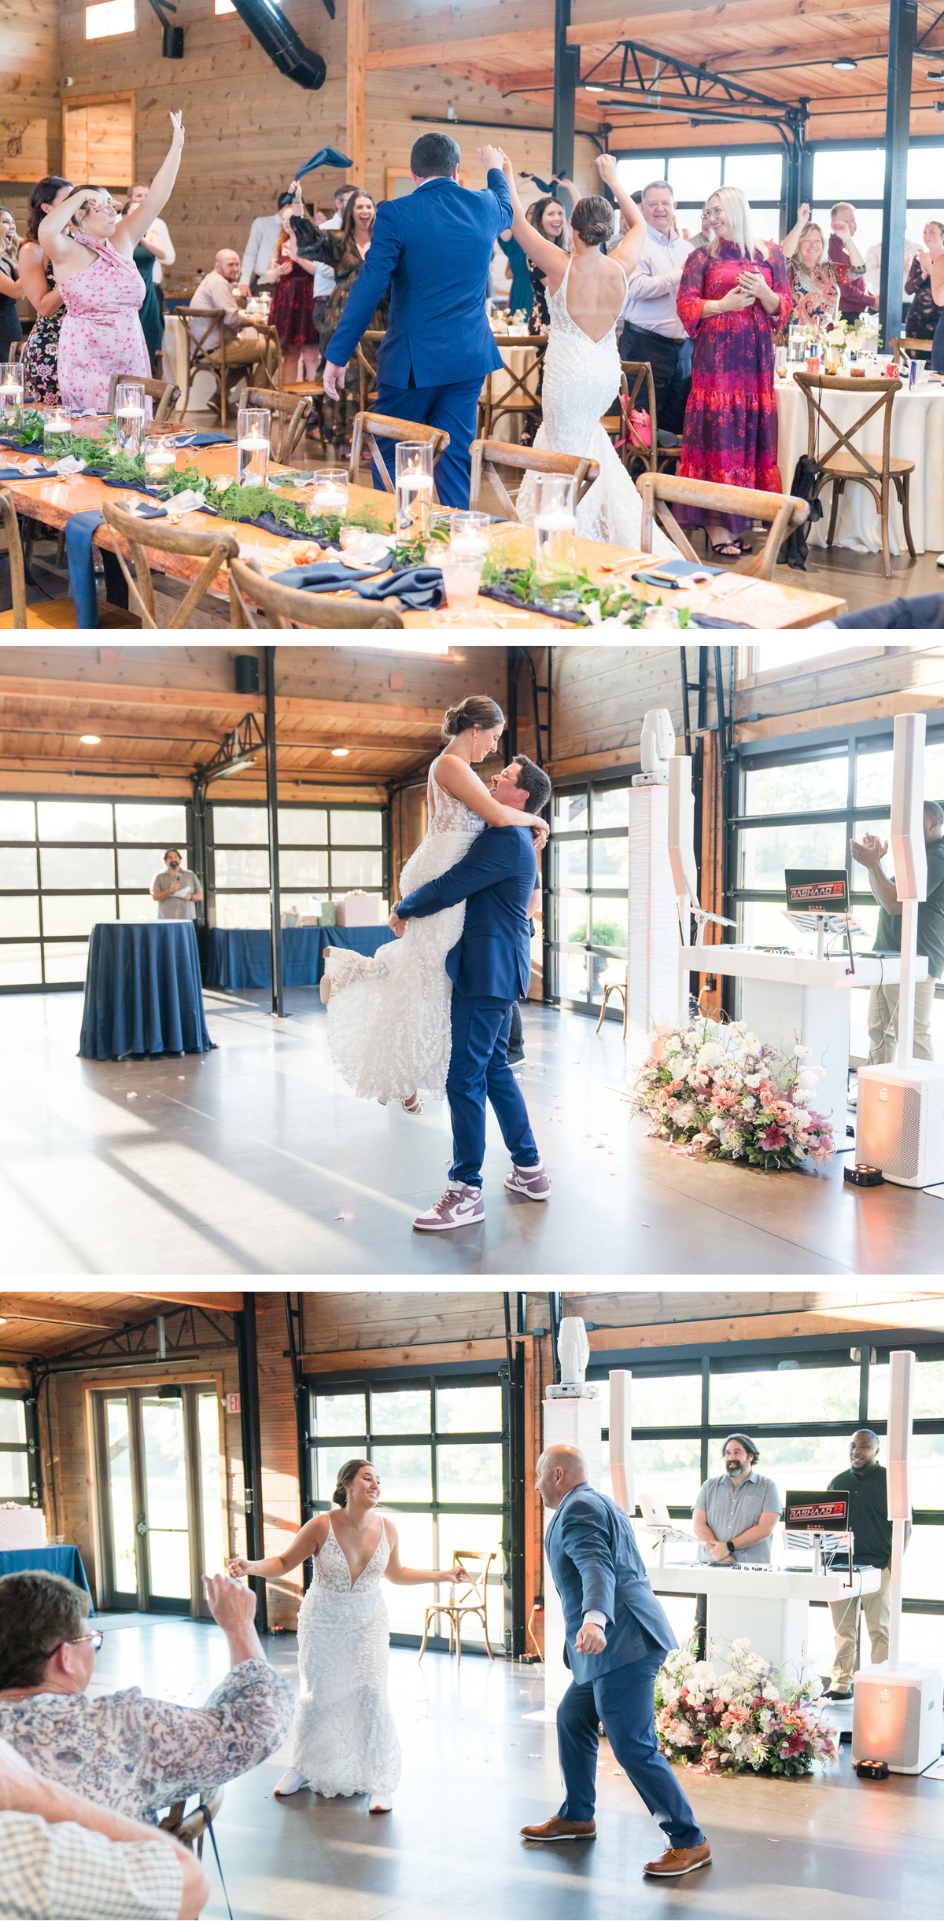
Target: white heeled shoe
<point x="380" y="1804"/>
<point x="291" y="1782"/>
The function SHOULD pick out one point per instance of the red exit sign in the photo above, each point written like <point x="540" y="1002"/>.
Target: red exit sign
<point x="233" y="1405"/>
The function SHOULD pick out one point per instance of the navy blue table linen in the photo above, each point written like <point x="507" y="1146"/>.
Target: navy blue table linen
<point x="242" y="956"/>
<point x="414" y="586"/>
<point x="143" y="993"/>
<point x="51" y="1560"/>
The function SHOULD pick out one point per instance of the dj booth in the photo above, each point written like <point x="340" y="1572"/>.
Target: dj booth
<point x="768" y="1606"/>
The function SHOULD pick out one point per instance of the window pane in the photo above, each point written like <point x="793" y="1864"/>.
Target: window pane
<point x="208" y="1422"/>
<point x="67" y="961"/>
<point x="468" y="1410"/>
<point x="857" y="173"/>
<point x="356" y="870"/>
<point x="611" y="808"/>
<point x="670" y="1400"/>
<point x="610" y="863"/>
<point x="405" y="1472"/>
<point x="122" y="1497"/>
<point x="303" y="826"/>
<point x="74" y="820"/>
<point x="569" y="813"/>
<point x="928" y="1393"/>
<point x="801" y="787"/>
<point x="162" y="822"/>
<point x="20" y="966"/>
<point x="572" y="863"/>
<point x="356" y="829"/>
<point x="465" y="1533"/>
<point x="140" y="866"/>
<point x="239" y="867"/>
<point x="17" y="867"/>
<point x="242" y="910"/>
<point x="14" y="1478"/>
<point x="925" y="170"/>
<point x="77" y="867"/>
<point x="76" y="913"/>
<point x="12" y="1421"/>
<point x="303" y="870"/>
<point x="138" y="907"/>
<point x="573" y="976"/>
<point x="609" y="923"/>
<point x="797" y="1464"/>
<point x="19" y="914"/>
<point x="693" y="177"/>
<point x="470" y="1472"/>
<point x="759" y="174"/>
<point x="328" y="1463"/>
<point x="17" y="820"/>
<point x="923" y="1578"/>
<point x="668" y="1469"/>
<point x="874" y="776"/>
<point x="339" y="1414"/>
<point x="165" y="1467"/>
<point x="765" y="852"/>
<point x="406" y="1606"/>
<point x="789" y="1393"/>
<point x="402" y="1411"/>
<point x="240" y="825"/>
<point x="572" y="918"/>
<point x="636" y="171"/>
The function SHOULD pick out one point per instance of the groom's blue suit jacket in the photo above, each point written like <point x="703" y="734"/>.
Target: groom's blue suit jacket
<point x="596" y="1565"/>
<point x="496" y="879"/>
<point x="433" y="249"/>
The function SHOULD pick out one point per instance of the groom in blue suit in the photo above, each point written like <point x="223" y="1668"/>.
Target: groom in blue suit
<point x="489" y="967"/>
<point x="617" y="1638"/>
<point x="433" y="249"/>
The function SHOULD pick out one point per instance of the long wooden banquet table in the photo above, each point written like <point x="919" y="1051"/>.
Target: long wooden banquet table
<point x="731" y="597"/>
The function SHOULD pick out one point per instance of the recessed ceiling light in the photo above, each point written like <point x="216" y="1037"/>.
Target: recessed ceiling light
<point x="90" y="740"/>
<point x="590" y="87"/>
<point x="845" y="65"/>
<point x="340" y="752"/>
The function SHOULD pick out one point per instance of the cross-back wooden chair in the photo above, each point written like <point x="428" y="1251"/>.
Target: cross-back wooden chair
<point x="144" y="537"/>
<point x="491" y="454"/>
<point x="521" y="397"/>
<point x="260" y="358"/>
<point x="368" y="348"/>
<point x="905" y="349"/>
<point x="285" y="606"/>
<point x="44" y="615"/>
<point x="782" y="512"/>
<point x="384" y="427"/>
<point x="635" y="449"/>
<point x="470" y="1600"/>
<point x="165" y="392"/>
<point x="289" y="419"/>
<point x="842" y="462"/>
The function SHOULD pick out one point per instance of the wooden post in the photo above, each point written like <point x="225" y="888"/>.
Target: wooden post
<point x="357" y="32"/>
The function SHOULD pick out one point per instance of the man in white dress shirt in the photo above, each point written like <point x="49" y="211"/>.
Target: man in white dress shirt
<point x="651" y="328"/>
<point x="263" y="234"/>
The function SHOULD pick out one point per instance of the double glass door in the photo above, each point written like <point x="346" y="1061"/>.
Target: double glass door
<point x="160" y="1495"/>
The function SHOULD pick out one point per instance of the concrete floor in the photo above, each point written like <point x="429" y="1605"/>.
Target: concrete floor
<point x="255" y="1159"/>
<point x="474" y="1771"/>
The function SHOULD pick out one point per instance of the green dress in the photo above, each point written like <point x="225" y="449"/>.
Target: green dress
<point x="149" y="312"/>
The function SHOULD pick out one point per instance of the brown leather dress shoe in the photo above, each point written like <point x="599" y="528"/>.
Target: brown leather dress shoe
<point x="677" y="1861"/>
<point x="557" y="1830"/>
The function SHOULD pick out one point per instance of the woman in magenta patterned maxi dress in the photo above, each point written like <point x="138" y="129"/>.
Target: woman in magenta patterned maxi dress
<point x="732" y="301"/>
<point x="91" y="250"/>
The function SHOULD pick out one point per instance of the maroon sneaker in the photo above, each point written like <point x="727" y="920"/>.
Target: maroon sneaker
<point x="460" y="1206"/>
<point x="531" y="1181"/>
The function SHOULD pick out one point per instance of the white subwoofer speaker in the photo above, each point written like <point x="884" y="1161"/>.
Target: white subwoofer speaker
<point x="907" y="821"/>
<point x="900" y="1122"/>
<point x="896" y="1718"/>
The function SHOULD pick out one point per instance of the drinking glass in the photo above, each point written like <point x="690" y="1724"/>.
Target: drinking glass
<point x="555" y="533"/>
<point x="462" y="576"/>
<point x="253" y="427"/>
<point x="329" y="491"/>
<point x="12" y="387"/>
<point x="57" y="430"/>
<point x="414" y="488"/>
<point x="130" y="415"/>
<point x="469" y="534"/>
<point x="780" y="362"/>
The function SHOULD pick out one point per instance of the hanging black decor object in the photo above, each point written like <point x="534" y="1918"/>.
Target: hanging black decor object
<point x="268" y="25"/>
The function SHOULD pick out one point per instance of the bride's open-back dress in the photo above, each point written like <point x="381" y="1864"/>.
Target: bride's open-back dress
<point x="389" y="1018"/>
<point x="343" y="1737"/>
<point x="581" y="382"/>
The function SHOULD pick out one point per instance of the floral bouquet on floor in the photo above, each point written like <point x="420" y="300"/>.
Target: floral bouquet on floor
<point x="716" y="1091"/>
<point x="742" y="1714"/>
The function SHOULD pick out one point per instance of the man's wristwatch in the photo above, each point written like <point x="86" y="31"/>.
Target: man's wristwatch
<point x="730" y="1547"/>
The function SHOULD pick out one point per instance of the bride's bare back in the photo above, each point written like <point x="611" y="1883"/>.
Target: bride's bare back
<point x="596" y="286"/>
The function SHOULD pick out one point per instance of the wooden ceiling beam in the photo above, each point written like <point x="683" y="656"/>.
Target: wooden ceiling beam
<point x="440" y="53"/>
<point x="32" y="1307"/>
<point x="223" y="1302"/>
<point x="387" y="714"/>
<point x="712" y="22"/>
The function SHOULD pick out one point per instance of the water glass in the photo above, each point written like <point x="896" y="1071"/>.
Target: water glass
<point x="462" y="577"/>
<point x="253" y="427"/>
<point x="329" y="491"/>
<point x="130" y="416"/>
<point x="12" y="388"/>
<point x="555" y="533"/>
<point x="57" y="431"/>
<point x="414" y="489"/>
<point x="780" y="362"/>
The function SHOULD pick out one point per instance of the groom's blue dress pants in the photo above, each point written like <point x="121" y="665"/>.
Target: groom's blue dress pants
<point x="479" y="1071"/>
<point x="623" y="1701"/>
<point x="453" y="406"/>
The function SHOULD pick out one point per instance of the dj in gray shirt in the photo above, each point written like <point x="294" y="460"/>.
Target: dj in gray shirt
<point x="736" y="1512"/>
<point x="175" y="889"/>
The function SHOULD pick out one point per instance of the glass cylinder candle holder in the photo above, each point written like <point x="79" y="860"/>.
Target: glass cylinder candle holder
<point x="159" y="459"/>
<point x="414" y="488"/>
<point x="253" y="428"/>
<point x="329" y="491"/>
<point x="57" y="431"/>
<point x="555" y="533"/>
<point x="130" y="416"/>
<point x="469" y="534"/>
<point x="12" y="388"/>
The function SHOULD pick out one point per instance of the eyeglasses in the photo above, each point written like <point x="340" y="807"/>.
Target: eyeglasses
<point x="96" y="1640"/>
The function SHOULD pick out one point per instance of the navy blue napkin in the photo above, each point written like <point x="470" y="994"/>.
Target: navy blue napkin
<point x="325" y="157"/>
<point x="202" y="440"/>
<point x="79" y="533"/>
<point x="16" y="473"/>
<point x="415" y="586"/>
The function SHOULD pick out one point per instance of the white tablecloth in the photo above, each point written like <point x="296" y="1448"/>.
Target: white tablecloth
<point x="917" y="434"/>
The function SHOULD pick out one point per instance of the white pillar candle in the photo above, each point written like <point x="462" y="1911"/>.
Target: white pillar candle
<point x="329" y="500"/>
<point x="556" y="521"/>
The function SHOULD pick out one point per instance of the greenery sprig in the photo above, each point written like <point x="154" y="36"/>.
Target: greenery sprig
<point x="414" y="553"/>
<point x="612" y="599"/>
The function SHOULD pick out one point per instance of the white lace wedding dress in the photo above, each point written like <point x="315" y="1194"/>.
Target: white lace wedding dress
<point x="343" y="1737"/>
<point x="389" y="1018"/>
<point x="581" y="381"/>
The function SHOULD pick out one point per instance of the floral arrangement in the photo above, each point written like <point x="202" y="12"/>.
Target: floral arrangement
<point x="747" y="1714"/>
<point x="715" y="1090"/>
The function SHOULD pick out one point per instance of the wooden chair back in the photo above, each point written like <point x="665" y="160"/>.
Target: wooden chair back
<point x="782" y="512"/>
<point x="165" y="392"/>
<point x="44" y="614"/>
<point x="491" y="454"/>
<point x="11" y="528"/>
<point x="470" y="1599"/>
<point x="141" y="536"/>
<point x="521" y="394"/>
<point x="817" y="388"/>
<point x="638" y="376"/>
<point x="368" y="348"/>
<point x="262" y="358"/>
<point x="189" y="1828"/>
<point x="906" y="349"/>
<point x="387" y="428"/>
<point x="17" y="348"/>
<point x="290" y="418"/>
<point x="285" y="606"/>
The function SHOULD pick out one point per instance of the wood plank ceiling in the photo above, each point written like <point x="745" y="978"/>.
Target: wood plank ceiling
<point x="35" y="1325"/>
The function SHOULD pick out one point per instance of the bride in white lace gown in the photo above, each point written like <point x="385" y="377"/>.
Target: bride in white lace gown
<point x="389" y="1018"/>
<point x="585" y="295"/>
<point x="343" y="1737"/>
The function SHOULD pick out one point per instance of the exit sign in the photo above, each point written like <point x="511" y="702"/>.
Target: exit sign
<point x="232" y="1404"/>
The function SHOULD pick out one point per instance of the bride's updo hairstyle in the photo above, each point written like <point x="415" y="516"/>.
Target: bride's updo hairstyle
<point x="346" y="1475"/>
<point x="476" y="710"/>
<point x="592" y="220"/>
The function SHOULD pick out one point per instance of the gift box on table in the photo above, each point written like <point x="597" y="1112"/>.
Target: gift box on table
<point x="359" y="910"/>
<point x="22" y="1527"/>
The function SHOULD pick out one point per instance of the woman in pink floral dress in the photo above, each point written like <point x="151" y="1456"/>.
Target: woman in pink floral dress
<point x="91" y="248"/>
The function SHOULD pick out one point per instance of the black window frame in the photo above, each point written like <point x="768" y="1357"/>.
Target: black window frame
<point x="592" y="786"/>
<point x="29" y="1447"/>
<point x="330" y="891"/>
